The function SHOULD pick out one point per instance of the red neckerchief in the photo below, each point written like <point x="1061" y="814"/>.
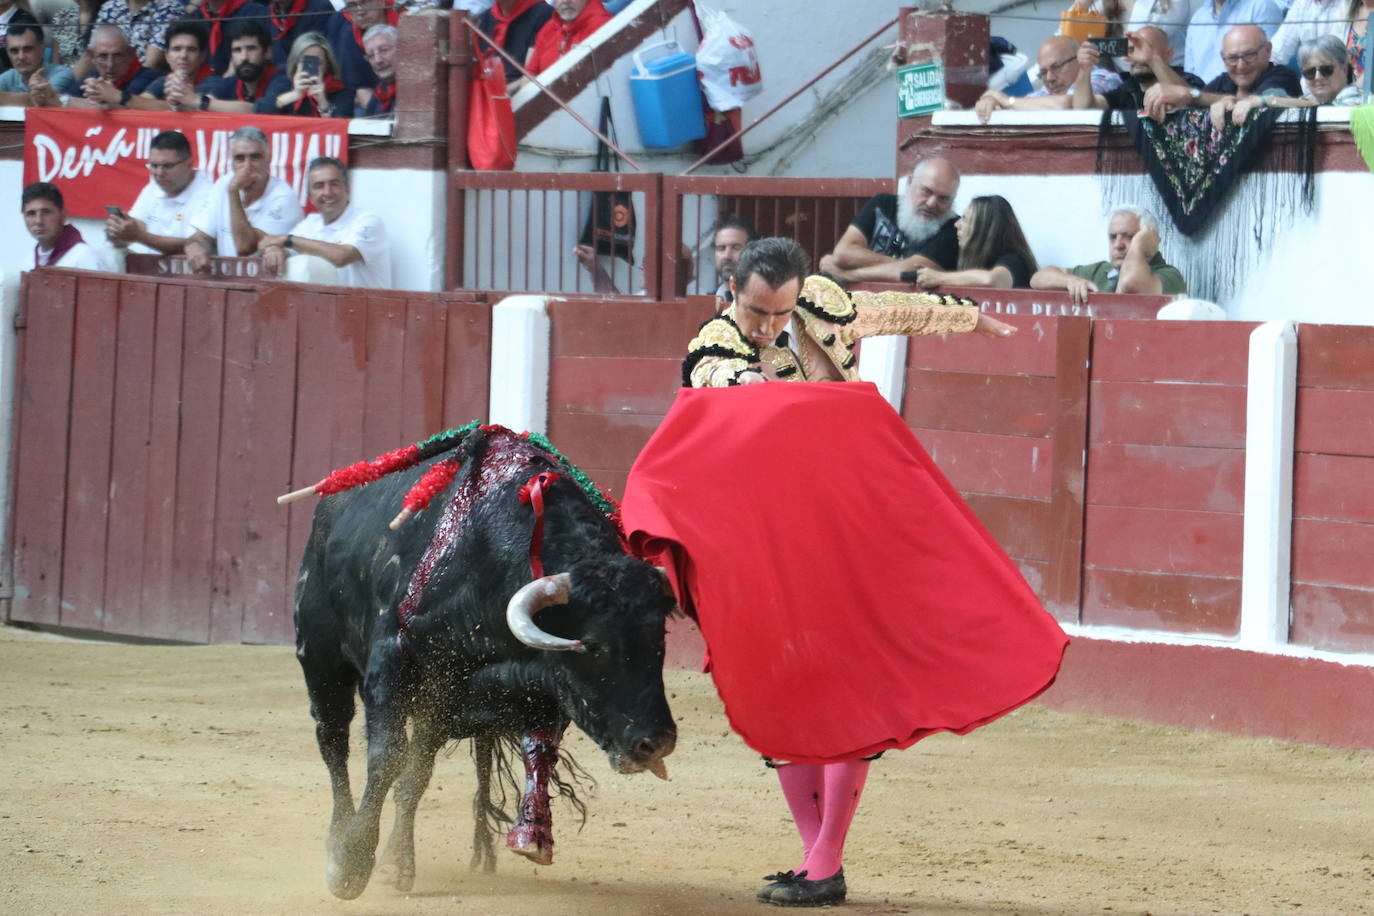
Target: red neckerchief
<point x="503" y="20"/>
<point x="204" y="72"/>
<point x="268" y="72"/>
<point x="229" y="8"/>
<point x="135" y="65"/>
<point x="67" y="239"/>
<point x="392" y="17"/>
<point x="385" y="93"/>
<point x="332" y="84"/>
<point x="288" y="22"/>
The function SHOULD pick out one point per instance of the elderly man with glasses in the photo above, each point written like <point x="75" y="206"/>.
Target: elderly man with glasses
<point x="1248" y="73"/>
<point x="1208" y="28"/>
<point x="1059" y="69"/>
<point x="160" y="220"/>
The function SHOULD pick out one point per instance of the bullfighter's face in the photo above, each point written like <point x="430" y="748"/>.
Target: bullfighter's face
<point x="762" y="312"/>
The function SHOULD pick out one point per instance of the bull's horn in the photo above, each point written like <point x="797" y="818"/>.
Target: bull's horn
<point x="530" y="600"/>
<point x="667" y="583"/>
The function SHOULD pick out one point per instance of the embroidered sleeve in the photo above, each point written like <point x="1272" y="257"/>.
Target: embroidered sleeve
<point x="864" y="314"/>
<point x="717" y="355"/>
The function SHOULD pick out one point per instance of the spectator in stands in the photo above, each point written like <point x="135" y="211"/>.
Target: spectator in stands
<point x="729" y="239"/>
<point x="1347" y="20"/>
<point x="513" y="24"/>
<point x="189" y="66"/>
<point x="31" y="83"/>
<point x="346" y="33"/>
<point x="1324" y="63"/>
<point x="11" y="14"/>
<point x="573" y="22"/>
<point x="67" y="25"/>
<point x="992" y="249"/>
<point x="1169" y="16"/>
<point x="310" y="87"/>
<point x="144" y="23"/>
<point x="59" y="242"/>
<point x="160" y="219"/>
<point x="1059" y="68"/>
<point x="894" y="235"/>
<point x="351" y="239"/>
<point x="1249" y="72"/>
<point x="250" y="53"/>
<point x="1149" y="58"/>
<point x="222" y="16"/>
<point x="1133" y="265"/>
<point x="379" y="46"/>
<point x="1208" y="29"/>
<point x="243" y="206"/>
<point x="290" y="19"/>
<point x="118" y="75"/>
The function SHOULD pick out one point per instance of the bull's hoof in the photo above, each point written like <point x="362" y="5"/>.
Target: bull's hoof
<point x="534" y="843"/>
<point x="397" y="874"/>
<point x="345" y="878"/>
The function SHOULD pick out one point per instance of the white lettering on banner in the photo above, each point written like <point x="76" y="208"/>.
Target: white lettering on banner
<point x="220" y="267"/>
<point x="1037" y="308"/>
<point x="56" y="162"/>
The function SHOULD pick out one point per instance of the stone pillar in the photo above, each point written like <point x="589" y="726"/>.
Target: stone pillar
<point x="421" y="84"/>
<point x="960" y="41"/>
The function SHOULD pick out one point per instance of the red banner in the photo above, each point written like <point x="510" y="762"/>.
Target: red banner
<point x="97" y="157"/>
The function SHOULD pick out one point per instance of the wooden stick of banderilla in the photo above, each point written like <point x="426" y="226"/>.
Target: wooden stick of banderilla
<point x="296" y="495"/>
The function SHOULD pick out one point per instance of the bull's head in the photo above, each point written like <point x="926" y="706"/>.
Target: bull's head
<point x="608" y="616"/>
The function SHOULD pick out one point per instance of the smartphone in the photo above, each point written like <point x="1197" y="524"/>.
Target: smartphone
<point x="1111" y="47"/>
<point x="113" y="211"/>
<point x="310" y="65"/>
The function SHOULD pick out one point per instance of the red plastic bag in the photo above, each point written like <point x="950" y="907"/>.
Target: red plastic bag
<point x="491" y="122"/>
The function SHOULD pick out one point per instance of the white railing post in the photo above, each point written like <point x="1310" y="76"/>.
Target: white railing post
<point x="1269" y="420"/>
<point x="519" y="392"/>
<point x="884" y="364"/>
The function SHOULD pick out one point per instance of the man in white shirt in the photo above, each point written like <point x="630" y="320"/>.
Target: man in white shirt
<point x="351" y="239"/>
<point x="59" y="243"/>
<point x="160" y="220"/>
<point x="243" y="206"/>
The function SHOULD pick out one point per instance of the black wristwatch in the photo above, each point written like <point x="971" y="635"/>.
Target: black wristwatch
<point x="124" y="96"/>
<point x="289" y="243"/>
<point x="205" y="102"/>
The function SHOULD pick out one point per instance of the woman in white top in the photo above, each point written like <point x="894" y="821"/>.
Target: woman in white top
<point x="1170" y="16"/>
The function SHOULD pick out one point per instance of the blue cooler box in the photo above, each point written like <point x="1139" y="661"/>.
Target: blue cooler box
<point x="667" y="97"/>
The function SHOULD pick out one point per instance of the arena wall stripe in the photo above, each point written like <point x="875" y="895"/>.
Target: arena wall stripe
<point x="1167" y="477"/>
<point x="1150" y="600"/>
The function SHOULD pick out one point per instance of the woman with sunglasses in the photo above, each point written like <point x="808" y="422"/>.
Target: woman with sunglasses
<point x="1326" y="75"/>
<point x="992" y="249"/>
<point x="1347" y="20"/>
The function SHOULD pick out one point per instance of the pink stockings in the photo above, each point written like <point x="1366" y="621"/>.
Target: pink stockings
<point x="823" y="800"/>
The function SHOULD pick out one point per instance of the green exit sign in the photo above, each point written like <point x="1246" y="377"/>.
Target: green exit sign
<point x="920" y="89"/>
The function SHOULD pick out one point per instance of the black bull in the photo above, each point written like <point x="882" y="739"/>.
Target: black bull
<point x="464" y="664"/>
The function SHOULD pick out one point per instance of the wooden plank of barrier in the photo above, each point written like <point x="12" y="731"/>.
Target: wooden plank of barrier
<point x="1163" y="540"/>
<point x="1172" y="351"/>
<point x="129" y="455"/>
<point x="1063" y="590"/>
<point x="974" y="402"/>
<point x="1335" y="356"/>
<point x="1147" y="413"/>
<point x="1030" y="352"/>
<point x="158" y="616"/>
<point x="1323" y="551"/>
<point x="602" y="445"/>
<point x="422" y="396"/>
<point x="198" y="461"/>
<point x="88" y="452"/>
<point x="1340" y="619"/>
<point x="467" y="363"/>
<point x="1333" y="487"/>
<point x="1167" y="477"/>
<point x="1325" y="422"/>
<point x="1020" y="525"/>
<point x="221" y="268"/>
<point x="265" y="608"/>
<point x="613" y="386"/>
<point x="1057" y="304"/>
<point x="1175" y="603"/>
<point x="46" y="321"/>
<point x="349" y="386"/>
<point x="991" y="463"/>
<point x="383" y="404"/>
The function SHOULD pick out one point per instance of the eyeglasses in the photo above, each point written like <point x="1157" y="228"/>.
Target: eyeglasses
<point x="1324" y="69"/>
<point x="1246" y="56"/>
<point x="165" y="166"/>
<point x="1055" y="68"/>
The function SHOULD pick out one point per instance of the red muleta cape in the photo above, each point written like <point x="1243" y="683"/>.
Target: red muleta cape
<point x="851" y="602"/>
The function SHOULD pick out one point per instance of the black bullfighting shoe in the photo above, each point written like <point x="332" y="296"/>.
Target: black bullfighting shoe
<point x="800" y="891"/>
<point x="782" y="878"/>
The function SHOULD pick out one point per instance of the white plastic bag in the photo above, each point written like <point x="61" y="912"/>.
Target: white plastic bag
<point x="726" y="62"/>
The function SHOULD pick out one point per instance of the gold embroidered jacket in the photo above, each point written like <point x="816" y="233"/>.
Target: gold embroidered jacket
<point x="831" y="321"/>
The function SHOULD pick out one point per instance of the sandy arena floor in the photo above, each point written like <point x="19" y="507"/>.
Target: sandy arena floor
<point x="152" y="779"/>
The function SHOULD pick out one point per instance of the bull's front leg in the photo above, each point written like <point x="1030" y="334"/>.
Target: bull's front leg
<point x="353" y="849"/>
<point x="398" y="859"/>
<point x="532" y="835"/>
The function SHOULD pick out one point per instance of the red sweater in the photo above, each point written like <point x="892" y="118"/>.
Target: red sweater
<point x="557" y="36"/>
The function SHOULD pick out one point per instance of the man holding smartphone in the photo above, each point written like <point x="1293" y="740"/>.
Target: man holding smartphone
<point x="1149" y="54"/>
<point x="1059" y="70"/>
<point x="160" y="220"/>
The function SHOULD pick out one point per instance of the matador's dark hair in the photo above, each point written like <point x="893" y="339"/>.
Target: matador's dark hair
<point x="775" y="259"/>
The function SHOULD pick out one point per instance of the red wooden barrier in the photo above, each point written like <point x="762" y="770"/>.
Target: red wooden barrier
<point x="1333" y="482"/>
<point x="159" y="419"/>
